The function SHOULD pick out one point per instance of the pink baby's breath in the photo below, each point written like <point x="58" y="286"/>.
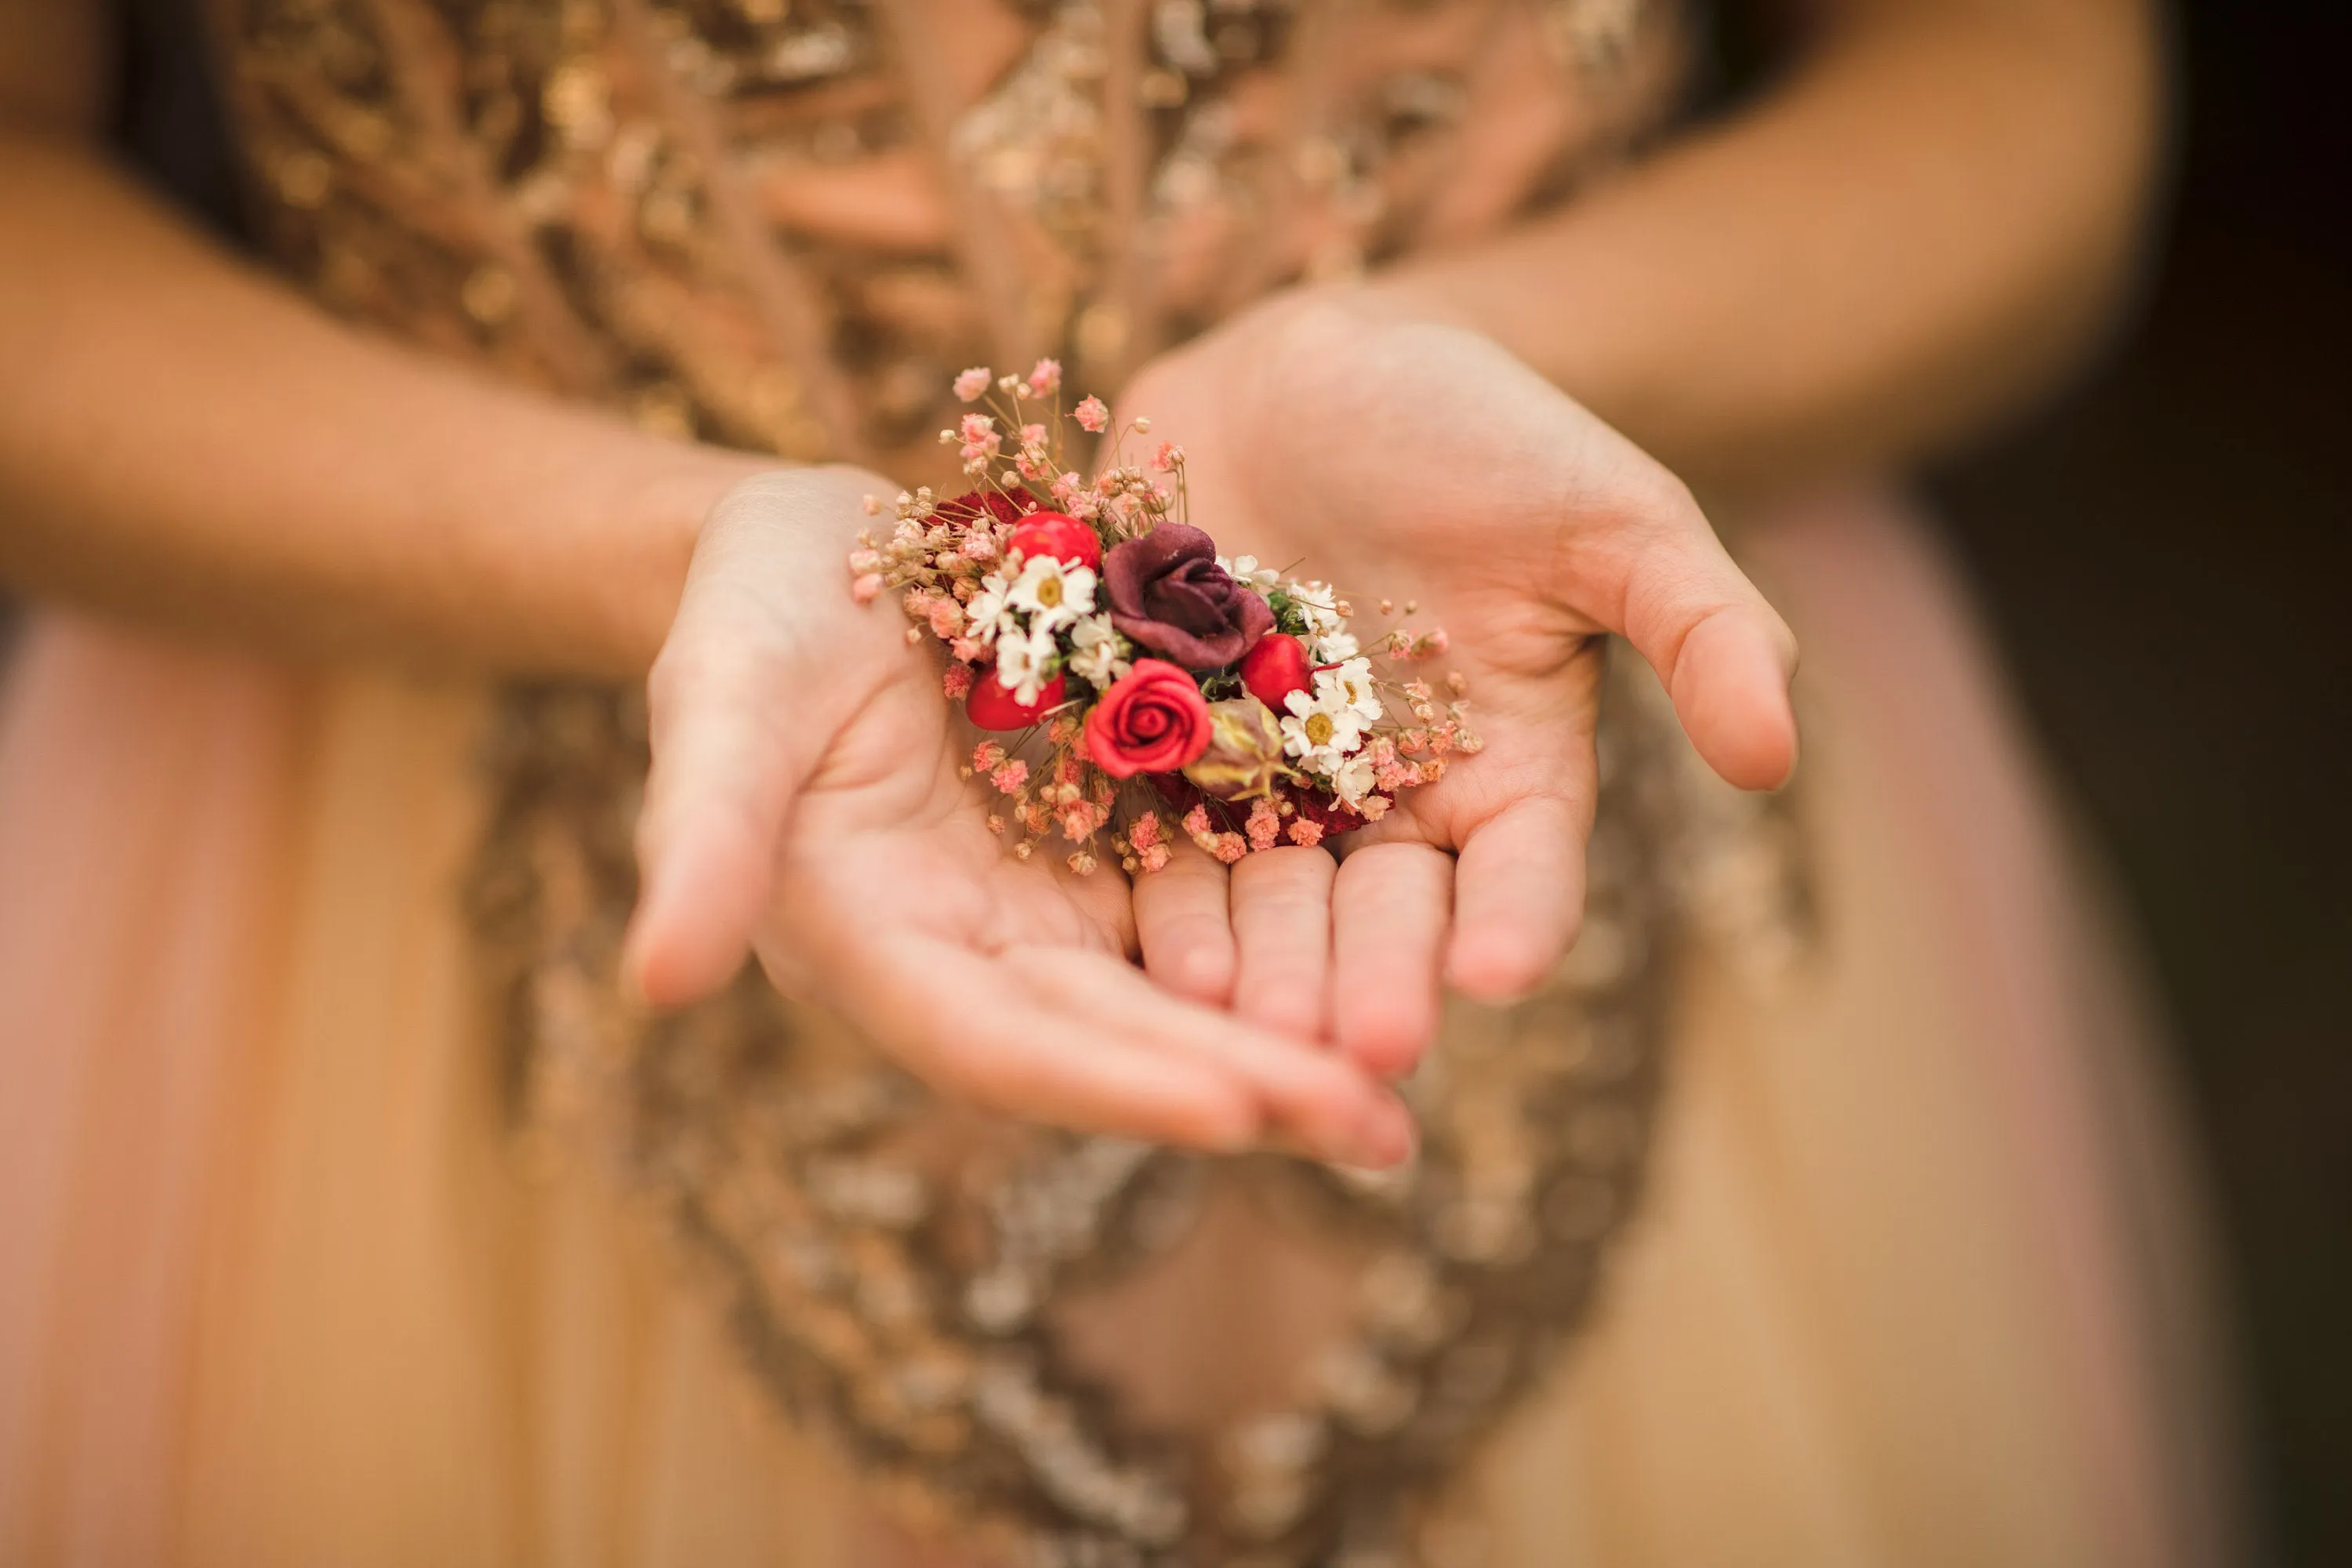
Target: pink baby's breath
<point x="939" y="557"/>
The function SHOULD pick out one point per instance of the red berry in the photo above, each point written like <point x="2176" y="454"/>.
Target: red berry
<point x="991" y="707"/>
<point x="1275" y="668"/>
<point x="1059" y="535"/>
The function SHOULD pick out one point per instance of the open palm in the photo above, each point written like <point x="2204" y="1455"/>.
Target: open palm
<point x="805" y="802"/>
<point x="1420" y="462"/>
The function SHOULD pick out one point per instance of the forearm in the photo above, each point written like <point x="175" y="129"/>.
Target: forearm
<point x="187" y="441"/>
<point x="1928" y="222"/>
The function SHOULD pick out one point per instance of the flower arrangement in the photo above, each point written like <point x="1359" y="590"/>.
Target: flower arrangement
<point x="1150" y="686"/>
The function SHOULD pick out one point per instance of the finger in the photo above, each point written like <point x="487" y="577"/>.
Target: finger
<point x="1389" y="908"/>
<point x="1518" y="893"/>
<point x="981" y="1027"/>
<point x="1184" y="924"/>
<point x="1724" y="654"/>
<point x="1282" y="938"/>
<point x="1313" y="1099"/>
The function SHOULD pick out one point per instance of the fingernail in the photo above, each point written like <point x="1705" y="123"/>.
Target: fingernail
<point x="1381" y="1140"/>
<point x="1401" y="1138"/>
<point x="633" y="953"/>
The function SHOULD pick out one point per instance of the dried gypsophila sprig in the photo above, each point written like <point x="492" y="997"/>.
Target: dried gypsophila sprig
<point x="1144" y="678"/>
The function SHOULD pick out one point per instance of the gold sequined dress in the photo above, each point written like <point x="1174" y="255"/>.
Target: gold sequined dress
<point x="1821" y="1211"/>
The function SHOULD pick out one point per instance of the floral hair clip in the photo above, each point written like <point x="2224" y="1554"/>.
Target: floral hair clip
<point x="1149" y="685"/>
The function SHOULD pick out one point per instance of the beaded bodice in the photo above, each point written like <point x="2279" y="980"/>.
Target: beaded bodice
<point x="785" y="225"/>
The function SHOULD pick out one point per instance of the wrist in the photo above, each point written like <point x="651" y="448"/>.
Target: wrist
<point x="662" y="512"/>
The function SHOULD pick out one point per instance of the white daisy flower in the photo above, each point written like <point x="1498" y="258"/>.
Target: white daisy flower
<point x="1050" y="593"/>
<point x="1023" y="660"/>
<point x="1335" y="648"/>
<point x="1098" y="654"/>
<point x="985" y="616"/>
<point x="1245" y="570"/>
<point x="1321" y="730"/>
<point x="1351" y="781"/>
<point x="1316" y="601"/>
<point x="1350" y="686"/>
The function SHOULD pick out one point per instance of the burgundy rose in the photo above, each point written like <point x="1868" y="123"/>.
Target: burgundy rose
<point x="1168" y="593"/>
<point x="1153" y="719"/>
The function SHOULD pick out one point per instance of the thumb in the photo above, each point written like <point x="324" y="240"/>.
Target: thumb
<point x="733" y="739"/>
<point x="725" y="767"/>
<point x="1723" y="652"/>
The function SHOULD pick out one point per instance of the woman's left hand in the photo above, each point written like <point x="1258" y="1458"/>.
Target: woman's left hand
<point x="1414" y="461"/>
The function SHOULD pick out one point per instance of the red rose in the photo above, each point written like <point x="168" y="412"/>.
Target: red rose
<point x="1058" y="535"/>
<point x="991" y="707"/>
<point x="1152" y="721"/>
<point x="1275" y="668"/>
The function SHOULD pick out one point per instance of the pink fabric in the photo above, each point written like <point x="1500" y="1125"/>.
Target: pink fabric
<point x="1914" y="1283"/>
<point x="144" y="792"/>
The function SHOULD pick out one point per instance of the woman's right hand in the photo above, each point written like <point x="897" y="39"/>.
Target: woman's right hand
<point x="805" y="802"/>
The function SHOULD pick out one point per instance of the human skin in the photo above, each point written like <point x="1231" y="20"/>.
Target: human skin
<point x="1928" y="220"/>
<point x="1920" y="226"/>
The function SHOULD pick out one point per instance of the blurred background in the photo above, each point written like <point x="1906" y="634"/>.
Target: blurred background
<point x="2166" y="552"/>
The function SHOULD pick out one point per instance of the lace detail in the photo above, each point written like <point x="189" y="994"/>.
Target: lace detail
<point x="784" y="223"/>
<point x="900" y="1293"/>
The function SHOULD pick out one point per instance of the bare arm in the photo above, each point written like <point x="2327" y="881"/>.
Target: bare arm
<point x="184" y="439"/>
<point x="1928" y="221"/>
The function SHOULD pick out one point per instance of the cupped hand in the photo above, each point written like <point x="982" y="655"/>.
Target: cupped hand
<point x="805" y="802"/>
<point x="1415" y="461"/>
